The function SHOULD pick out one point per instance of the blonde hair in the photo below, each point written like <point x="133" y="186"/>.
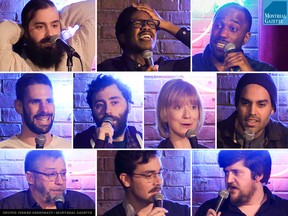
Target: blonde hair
<point x="172" y="92"/>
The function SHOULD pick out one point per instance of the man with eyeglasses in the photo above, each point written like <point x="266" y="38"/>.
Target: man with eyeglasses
<point x="140" y="174"/>
<point x="136" y="32"/>
<point x="46" y="176"/>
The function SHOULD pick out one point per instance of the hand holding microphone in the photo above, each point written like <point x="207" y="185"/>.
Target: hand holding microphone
<point x="106" y="131"/>
<point x="148" y="57"/>
<point x="235" y="60"/>
<point x="222" y="196"/>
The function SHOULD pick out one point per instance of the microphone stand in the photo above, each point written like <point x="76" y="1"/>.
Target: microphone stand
<point x="69" y="61"/>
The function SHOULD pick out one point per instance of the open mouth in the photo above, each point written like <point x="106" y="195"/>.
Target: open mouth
<point x="145" y="36"/>
<point x="43" y="119"/>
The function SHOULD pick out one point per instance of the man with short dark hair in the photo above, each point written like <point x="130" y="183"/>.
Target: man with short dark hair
<point x="140" y="174"/>
<point x="251" y="125"/>
<point x="136" y="32"/>
<point x="110" y="102"/>
<point x="231" y="24"/>
<point x="34" y="49"/>
<point x="34" y="102"/>
<point x="46" y="172"/>
<point x="246" y="173"/>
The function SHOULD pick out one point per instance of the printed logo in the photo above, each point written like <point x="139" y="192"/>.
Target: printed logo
<point x="275" y="12"/>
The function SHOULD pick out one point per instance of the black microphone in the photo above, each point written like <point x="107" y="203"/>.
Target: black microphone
<point x="222" y="196"/>
<point x="192" y="137"/>
<point x="148" y="57"/>
<point x="109" y="120"/>
<point x="40" y="141"/>
<point x="230" y="47"/>
<point x="59" y="201"/>
<point x="248" y="136"/>
<point x="56" y="40"/>
<point x="158" y="200"/>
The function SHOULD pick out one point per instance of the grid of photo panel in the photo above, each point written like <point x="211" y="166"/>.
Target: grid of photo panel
<point x="115" y="108"/>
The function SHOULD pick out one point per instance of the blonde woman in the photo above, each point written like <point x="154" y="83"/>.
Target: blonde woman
<point x="179" y="109"/>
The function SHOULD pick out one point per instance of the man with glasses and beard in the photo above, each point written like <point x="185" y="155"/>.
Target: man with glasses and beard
<point x="246" y="174"/>
<point x="29" y="46"/>
<point x="110" y="102"/>
<point x="35" y="103"/>
<point x="136" y="32"/>
<point x="46" y="172"/>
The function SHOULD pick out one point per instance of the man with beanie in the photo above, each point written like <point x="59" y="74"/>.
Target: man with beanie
<point x="251" y="125"/>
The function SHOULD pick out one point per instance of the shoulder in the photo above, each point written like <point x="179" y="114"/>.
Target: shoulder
<point x="13" y="201"/>
<point x="165" y="144"/>
<point x="14" y="142"/>
<point x="117" y="210"/>
<point x="260" y="66"/>
<point x="82" y="139"/>
<point x="175" y="208"/>
<point x="78" y="200"/>
<point x="110" y="64"/>
<point x="59" y="142"/>
<point x="202" y="210"/>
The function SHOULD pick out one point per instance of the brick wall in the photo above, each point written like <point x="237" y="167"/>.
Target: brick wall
<point x="175" y="11"/>
<point x="226" y="85"/>
<point x="204" y="83"/>
<point x="176" y="181"/>
<point x="202" y="15"/>
<point x="10" y="120"/>
<point x="208" y="178"/>
<point x="82" y="113"/>
<point x="81" y="168"/>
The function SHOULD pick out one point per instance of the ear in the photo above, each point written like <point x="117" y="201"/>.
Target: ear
<point x="29" y="178"/>
<point x="125" y="180"/>
<point x="247" y="37"/>
<point x="18" y="106"/>
<point x="259" y="178"/>
<point x="272" y="111"/>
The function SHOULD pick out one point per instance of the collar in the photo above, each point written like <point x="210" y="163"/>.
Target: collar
<point x="129" y="209"/>
<point x="131" y="64"/>
<point x="30" y="201"/>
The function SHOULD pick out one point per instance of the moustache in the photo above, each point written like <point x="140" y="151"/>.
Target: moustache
<point x="251" y="117"/>
<point x="43" y="114"/>
<point x="155" y="189"/>
<point x="45" y="40"/>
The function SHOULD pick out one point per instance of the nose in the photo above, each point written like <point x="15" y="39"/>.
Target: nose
<point x="186" y="113"/>
<point x="144" y="25"/>
<point x="224" y="33"/>
<point x="229" y="177"/>
<point x="253" y="109"/>
<point x="49" y="31"/>
<point x="158" y="180"/>
<point x="44" y="107"/>
<point x="59" y="180"/>
<point x="108" y="109"/>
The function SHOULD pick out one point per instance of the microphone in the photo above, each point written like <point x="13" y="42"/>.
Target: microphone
<point x="229" y="48"/>
<point x="192" y="137"/>
<point x="148" y="57"/>
<point x="248" y="136"/>
<point x="222" y="196"/>
<point x="59" y="201"/>
<point x="109" y="120"/>
<point x="158" y="200"/>
<point x="56" y="40"/>
<point x="40" y="141"/>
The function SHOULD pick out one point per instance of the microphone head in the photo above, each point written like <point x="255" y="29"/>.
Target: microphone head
<point x="54" y="38"/>
<point x="191" y="133"/>
<point x="158" y="200"/>
<point x="223" y="194"/>
<point x="108" y="119"/>
<point x="248" y="135"/>
<point x="148" y="56"/>
<point x="40" y="140"/>
<point x="59" y="201"/>
<point x="230" y="47"/>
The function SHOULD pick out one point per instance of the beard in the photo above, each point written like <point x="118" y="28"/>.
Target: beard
<point x="33" y="127"/>
<point x="119" y="127"/>
<point x="243" y="197"/>
<point x="43" y="57"/>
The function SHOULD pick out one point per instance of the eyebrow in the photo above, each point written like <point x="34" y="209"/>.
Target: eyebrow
<point x="258" y="101"/>
<point x="44" y="23"/>
<point x="111" y="98"/>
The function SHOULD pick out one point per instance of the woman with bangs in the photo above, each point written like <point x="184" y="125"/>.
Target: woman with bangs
<point x="179" y="109"/>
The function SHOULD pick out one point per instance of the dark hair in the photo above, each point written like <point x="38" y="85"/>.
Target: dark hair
<point x="126" y="161"/>
<point x="237" y="6"/>
<point x="101" y="82"/>
<point x="258" y="161"/>
<point x="30" y="79"/>
<point x="122" y="24"/>
<point x="31" y="8"/>
<point x="35" y="155"/>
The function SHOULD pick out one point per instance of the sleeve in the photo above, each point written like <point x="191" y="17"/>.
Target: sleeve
<point x="11" y="32"/>
<point x="83" y="41"/>
<point x="184" y="36"/>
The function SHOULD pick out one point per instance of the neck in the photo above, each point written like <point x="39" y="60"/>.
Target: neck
<point x="137" y="57"/>
<point x="135" y="202"/>
<point x="216" y="62"/>
<point x="180" y="142"/>
<point x="28" y="137"/>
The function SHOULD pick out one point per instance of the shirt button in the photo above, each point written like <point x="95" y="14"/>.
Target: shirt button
<point x="184" y="32"/>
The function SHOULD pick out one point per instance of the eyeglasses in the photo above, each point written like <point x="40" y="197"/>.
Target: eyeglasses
<point x="52" y="176"/>
<point x="151" y="176"/>
<point x="139" y="23"/>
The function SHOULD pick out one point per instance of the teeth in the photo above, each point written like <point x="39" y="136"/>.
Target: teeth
<point x="220" y="45"/>
<point x="43" y="119"/>
<point x="145" y="36"/>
